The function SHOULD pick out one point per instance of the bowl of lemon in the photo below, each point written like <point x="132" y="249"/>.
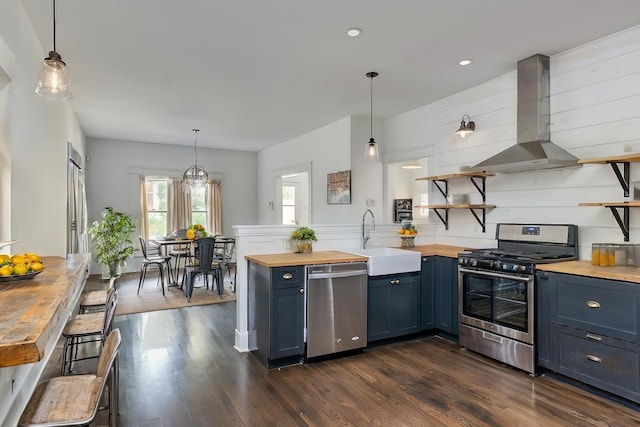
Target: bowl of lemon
<point x="20" y="267"/>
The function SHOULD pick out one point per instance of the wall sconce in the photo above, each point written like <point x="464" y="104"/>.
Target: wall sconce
<point x="466" y="128"/>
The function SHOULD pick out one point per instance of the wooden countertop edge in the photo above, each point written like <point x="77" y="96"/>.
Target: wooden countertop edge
<point x="585" y="268"/>
<point x="27" y="341"/>
<point x="292" y="259"/>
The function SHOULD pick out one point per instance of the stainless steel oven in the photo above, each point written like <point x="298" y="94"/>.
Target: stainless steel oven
<point x="497" y="290"/>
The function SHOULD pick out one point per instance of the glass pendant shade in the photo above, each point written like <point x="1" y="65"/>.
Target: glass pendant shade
<point x="371" y="151"/>
<point x="53" y="79"/>
<point x="195" y="177"/>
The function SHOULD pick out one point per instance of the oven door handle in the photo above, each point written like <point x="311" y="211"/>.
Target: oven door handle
<point x="491" y="274"/>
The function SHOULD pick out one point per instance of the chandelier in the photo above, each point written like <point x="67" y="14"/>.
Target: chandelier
<point x="195" y="176"/>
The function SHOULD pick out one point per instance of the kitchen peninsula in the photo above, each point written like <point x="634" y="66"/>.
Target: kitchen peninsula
<point x="34" y="313"/>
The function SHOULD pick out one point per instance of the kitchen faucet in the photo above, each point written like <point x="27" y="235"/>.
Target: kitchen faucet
<point x="367" y="235"/>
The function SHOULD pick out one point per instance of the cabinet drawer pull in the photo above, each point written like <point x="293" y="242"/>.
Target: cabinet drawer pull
<point x="593" y="304"/>
<point x="301" y="290"/>
<point x="594" y="358"/>
<point x="594" y="337"/>
<point x="287" y="276"/>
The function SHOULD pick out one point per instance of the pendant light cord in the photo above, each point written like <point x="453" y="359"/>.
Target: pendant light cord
<point x="195" y="145"/>
<point x="54" y="26"/>
<point x="371" y="111"/>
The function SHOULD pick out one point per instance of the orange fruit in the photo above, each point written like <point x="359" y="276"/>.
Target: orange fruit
<point x="20" y="269"/>
<point x="36" y="266"/>
<point x="6" y="270"/>
<point x="17" y="259"/>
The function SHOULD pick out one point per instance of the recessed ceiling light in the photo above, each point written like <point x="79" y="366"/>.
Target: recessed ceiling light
<point x="465" y="62"/>
<point x="354" y="32"/>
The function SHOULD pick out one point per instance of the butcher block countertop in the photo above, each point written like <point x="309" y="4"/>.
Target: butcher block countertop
<point x="438" y="250"/>
<point x="309" y="258"/>
<point x="625" y="273"/>
<point x="30" y="310"/>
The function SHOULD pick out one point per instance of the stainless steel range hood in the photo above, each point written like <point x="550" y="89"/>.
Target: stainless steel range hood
<point x="533" y="150"/>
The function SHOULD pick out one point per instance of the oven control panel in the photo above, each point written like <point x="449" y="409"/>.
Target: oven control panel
<point x="496" y="265"/>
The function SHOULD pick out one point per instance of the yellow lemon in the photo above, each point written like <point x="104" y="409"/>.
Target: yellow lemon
<point x="17" y="259"/>
<point x="36" y="266"/>
<point x="20" y="269"/>
<point x="6" y="270"/>
<point x="4" y="258"/>
<point x="191" y="234"/>
<point x="32" y="257"/>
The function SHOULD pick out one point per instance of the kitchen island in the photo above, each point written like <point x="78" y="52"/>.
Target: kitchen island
<point x="33" y="314"/>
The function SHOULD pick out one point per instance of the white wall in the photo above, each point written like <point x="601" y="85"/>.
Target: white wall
<point x="36" y="132"/>
<point x="114" y="168"/>
<point x="595" y="111"/>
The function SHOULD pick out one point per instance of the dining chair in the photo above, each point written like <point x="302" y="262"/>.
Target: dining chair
<point x="226" y="254"/>
<point x="155" y="260"/>
<point x="84" y="329"/>
<point x="203" y="265"/>
<point x="75" y="400"/>
<point x="181" y="252"/>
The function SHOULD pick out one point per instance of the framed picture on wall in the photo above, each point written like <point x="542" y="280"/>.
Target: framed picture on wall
<point x="339" y="188"/>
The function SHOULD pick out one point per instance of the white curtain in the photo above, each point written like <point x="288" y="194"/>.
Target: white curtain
<point x="214" y="211"/>
<point x="178" y="206"/>
<point x="143" y="209"/>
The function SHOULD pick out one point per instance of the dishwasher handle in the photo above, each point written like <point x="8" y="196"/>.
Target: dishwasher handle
<point x="337" y="274"/>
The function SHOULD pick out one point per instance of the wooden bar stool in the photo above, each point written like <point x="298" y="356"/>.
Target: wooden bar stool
<point x="75" y="400"/>
<point x="87" y="328"/>
<point x="96" y="300"/>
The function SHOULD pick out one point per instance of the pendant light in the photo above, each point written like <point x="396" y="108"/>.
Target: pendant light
<point x="195" y="176"/>
<point x="53" y="79"/>
<point x="371" y="151"/>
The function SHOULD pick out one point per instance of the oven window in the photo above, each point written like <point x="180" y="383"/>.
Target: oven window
<point x="498" y="300"/>
<point x="510" y="303"/>
<point x="477" y="296"/>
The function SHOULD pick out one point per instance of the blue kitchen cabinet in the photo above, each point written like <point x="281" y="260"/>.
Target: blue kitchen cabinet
<point x="589" y="330"/>
<point x="439" y="298"/>
<point x="393" y="306"/>
<point x="277" y="313"/>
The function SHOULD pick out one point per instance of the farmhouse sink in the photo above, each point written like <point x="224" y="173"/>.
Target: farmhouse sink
<point x="384" y="261"/>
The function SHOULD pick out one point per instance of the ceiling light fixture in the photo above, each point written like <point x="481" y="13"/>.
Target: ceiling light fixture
<point x="371" y="151"/>
<point x="53" y="79"/>
<point x="195" y="176"/>
<point x="465" y="62"/>
<point x="466" y="128"/>
<point x="413" y="165"/>
<point x="354" y="32"/>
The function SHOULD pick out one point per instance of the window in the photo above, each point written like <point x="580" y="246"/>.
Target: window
<point x="157" y="206"/>
<point x="288" y="204"/>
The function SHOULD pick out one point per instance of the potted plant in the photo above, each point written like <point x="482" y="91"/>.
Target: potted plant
<point x="302" y="239"/>
<point x="112" y="235"/>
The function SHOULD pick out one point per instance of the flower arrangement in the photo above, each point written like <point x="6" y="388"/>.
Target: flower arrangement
<point x="302" y="238"/>
<point x="196" y="231"/>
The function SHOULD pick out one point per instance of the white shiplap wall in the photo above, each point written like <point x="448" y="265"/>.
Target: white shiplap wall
<point x="595" y="112"/>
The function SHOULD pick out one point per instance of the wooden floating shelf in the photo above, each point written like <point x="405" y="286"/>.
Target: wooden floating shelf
<point x="458" y="206"/>
<point x="635" y="203"/>
<point x="613" y="159"/>
<point x="456" y="175"/>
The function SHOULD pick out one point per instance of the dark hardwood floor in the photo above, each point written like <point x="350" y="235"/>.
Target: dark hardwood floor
<point x="179" y="368"/>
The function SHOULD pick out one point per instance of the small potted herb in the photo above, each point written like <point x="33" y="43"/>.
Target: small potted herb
<point x="303" y="239"/>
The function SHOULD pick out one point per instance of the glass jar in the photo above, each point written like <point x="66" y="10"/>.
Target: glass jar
<point x="595" y="253"/>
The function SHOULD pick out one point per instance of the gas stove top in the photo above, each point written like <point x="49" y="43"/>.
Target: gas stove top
<point x="522" y="246"/>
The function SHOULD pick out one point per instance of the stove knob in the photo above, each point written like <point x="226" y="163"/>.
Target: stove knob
<point x="474" y="262"/>
<point x="523" y="268"/>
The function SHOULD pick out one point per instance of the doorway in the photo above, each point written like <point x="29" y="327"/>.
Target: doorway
<point x="294" y="206"/>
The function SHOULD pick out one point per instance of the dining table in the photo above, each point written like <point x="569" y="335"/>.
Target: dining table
<point x="165" y="244"/>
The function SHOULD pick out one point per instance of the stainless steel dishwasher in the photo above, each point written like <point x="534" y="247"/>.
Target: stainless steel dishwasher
<point x="336" y="307"/>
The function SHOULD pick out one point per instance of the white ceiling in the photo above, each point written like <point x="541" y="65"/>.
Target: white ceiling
<point x="254" y="73"/>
